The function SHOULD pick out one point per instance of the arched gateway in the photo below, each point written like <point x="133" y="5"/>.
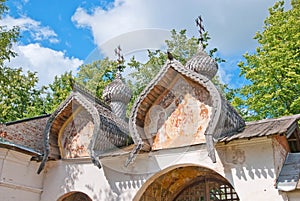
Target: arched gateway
<point x="75" y="196"/>
<point x="188" y="182"/>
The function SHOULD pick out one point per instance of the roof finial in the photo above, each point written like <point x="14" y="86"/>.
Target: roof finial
<point x="120" y="61"/>
<point x="199" y="23"/>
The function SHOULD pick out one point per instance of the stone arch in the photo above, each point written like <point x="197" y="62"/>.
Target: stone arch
<point x="187" y="182"/>
<point x="74" y="196"/>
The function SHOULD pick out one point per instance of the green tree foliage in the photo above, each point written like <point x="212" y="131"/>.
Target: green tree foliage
<point x="182" y="48"/>
<point x="7" y="37"/>
<point x="97" y="75"/>
<point x="58" y="91"/>
<point x="274" y="69"/>
<point x="19" y="97"/>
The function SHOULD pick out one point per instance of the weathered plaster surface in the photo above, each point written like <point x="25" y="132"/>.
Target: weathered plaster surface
<point x="184" y="126"/>
<point x="75" y="175"/>
<point x="18" y="178"/>
<point x="280" y="150"/>
<point x="250" y="163"/>
<point x="76" y="135"/>
<point x="243" y="164"/>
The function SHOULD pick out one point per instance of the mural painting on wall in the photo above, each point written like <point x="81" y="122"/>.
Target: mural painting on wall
<point x="180" y="118"/>
<point x="77" y="136"/>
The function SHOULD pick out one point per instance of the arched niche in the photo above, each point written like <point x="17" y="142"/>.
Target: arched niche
<point x="75" y="134"/>
<point x="75" y="196"/>
<point x="187" y="182"/>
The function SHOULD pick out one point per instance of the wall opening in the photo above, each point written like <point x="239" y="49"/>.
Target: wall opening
<point x="75" y="196"/>
<point x="187" y="182"/>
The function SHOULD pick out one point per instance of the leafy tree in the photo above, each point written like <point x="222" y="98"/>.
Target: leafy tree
<point x="7" y="37"/>
<point x="97" y="75"/>
<point x="58" y="91"/>
<point x="19" y="97"/>
<point x="274" y="69"/>
<point x="182" y="48"/>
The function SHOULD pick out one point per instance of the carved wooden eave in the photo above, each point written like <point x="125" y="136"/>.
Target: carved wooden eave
<point x="223" y="119"/>
<point x="109" y="131"/>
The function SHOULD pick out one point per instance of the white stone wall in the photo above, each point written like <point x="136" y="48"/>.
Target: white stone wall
<point x="75" y="175"/>
<point x="18" y="177"/>
<point x="247" y="164"/>
<point x="250" y="166"/>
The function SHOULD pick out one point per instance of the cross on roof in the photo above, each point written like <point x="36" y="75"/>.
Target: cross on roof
<point x="120" y="61"/>
<point x="120" y="58"/>
<point x="199" y="23"/>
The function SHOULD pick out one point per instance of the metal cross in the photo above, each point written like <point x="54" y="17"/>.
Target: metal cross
<point x="120" y="58"/>
<point x="199" y="23"/>
<point x="120" y="61"/>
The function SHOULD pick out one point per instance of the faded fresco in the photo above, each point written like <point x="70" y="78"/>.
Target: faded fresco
<point x="179" y="119"/>
<point x="77" y="136"/>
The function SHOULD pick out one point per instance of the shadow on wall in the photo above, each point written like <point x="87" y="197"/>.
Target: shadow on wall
<point x="101" y="194"/>
<point x="124" y="184"/>
<point x="126" y="181"/>
<point x="249" y="164"/>
<point x="73" y="172"/>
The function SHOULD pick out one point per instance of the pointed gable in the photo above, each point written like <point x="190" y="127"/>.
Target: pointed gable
<point x="83" y="126"/>
<point x="181" y="107"/>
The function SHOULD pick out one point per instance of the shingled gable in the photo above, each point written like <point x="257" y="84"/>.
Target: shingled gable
<point x="103" y="130"/>
<point x="223" y="119"/>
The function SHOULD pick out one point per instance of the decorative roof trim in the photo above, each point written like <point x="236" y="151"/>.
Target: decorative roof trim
<point x="88" y="94"/>
<point x="85" y="104"/>
<point x="204" y="81"/>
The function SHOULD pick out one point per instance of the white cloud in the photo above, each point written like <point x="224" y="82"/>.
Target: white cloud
<point x="231" y="24"/>
<point x="46" y="62"/>
<point x="34" y="28"/>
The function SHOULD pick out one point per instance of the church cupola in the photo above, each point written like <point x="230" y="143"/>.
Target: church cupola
<point x="181" y="107"/>
<point x="203" y="64"/>
<point x="117" y="93"/>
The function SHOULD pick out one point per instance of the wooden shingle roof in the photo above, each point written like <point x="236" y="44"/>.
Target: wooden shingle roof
<point x="24" y="135"/>
<point x="109" y="130"/>
<point x="283" y="125"/>
<point x="224" y="118"/>
<point x="288" y="179"/>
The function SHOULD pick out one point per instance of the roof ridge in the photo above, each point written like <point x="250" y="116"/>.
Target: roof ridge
<point x="25" y="119"/>
<point x="77" y="87"/>
<point x="295" y="116"/>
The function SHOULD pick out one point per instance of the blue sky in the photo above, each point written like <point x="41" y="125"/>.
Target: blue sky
<point x="59" y="36"/>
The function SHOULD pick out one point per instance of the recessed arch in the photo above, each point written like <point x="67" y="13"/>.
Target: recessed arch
<point x="74" y="196"/>
<point x="187" y="182"/>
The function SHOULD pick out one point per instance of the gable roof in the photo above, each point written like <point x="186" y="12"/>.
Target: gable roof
<point x="224" y="118"/>
<point x="109" y="130"/>
<point x="283" y="125"/>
